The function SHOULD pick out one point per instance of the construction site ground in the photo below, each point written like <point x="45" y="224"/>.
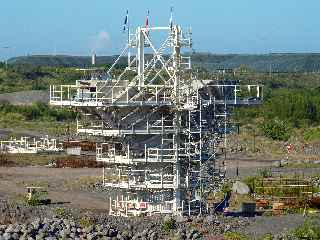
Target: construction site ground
<point x="65" y="185"/>
<point x="73" y="188"/>
<point x="249" y="167"/>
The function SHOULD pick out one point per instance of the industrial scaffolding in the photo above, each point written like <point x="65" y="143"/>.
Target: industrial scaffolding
<point x="25" y="145"/>
<point x="157" y="126"/>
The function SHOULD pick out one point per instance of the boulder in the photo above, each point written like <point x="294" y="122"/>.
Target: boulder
<point x="240" y="188"/>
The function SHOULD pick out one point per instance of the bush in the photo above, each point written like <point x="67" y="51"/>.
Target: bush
<point x="34" y="201"/>
<point x="265" y="172"/>
<point x="61" y="212"/>
<point x="251" y="182"/>
<point x="169" y="224"/>
<point x="226" y="187"/>
<point x="86" y="221"/>
<point x="276" y="129"/>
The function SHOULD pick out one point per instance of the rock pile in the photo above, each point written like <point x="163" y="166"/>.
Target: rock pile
<point x="11" y="212"/>
<point x="57" y="228"/>
<point x="49" y="222"/>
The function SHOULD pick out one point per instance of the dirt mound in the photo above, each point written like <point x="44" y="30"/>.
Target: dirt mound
<point x="77" y="162"/>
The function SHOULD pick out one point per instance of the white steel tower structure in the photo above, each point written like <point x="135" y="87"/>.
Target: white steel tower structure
<point x="156" y="125"/>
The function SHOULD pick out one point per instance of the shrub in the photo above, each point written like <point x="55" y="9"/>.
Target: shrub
<point x="265" y="172"/>
<point x="86" y="222"/>
<point x="34" y="201"/>
<point x="169" y="224"/>
<point x="226" y="187"/>
<point x="276" y="129"/>
<point x="251" y="182"/>
<point x="61" y="212"/>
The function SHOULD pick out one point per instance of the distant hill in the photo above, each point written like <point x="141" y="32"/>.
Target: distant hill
<point x="278" y="62"/>
<point x="284" y="62"/>
<point x="63" y="60"/>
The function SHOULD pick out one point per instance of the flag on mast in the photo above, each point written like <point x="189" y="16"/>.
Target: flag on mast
<point x="171" y="18"/>
<point x="147" y="21"/>
<point x="125" y="24"/>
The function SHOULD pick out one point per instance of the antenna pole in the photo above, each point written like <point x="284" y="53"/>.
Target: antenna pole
<point x="129" y="53"/>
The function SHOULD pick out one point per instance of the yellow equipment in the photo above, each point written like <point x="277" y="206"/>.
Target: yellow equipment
<point x="37" y="196"/>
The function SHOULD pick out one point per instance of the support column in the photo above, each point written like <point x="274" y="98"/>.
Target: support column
<point x="103" y="175"/>
<point x="177" y="167"/>
<point x="177" y="120"/>
<point x="140" y="57"/>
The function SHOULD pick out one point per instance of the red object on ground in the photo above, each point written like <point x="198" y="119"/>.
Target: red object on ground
<point x="289" y="147"/>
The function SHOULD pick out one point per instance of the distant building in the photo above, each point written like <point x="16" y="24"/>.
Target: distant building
<point x="93" y="59"/>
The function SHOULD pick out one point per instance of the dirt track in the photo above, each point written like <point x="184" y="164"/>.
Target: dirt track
<point x="59" y="182"/>
<point x="249" y="167"/>
<point x="72" y="186"/>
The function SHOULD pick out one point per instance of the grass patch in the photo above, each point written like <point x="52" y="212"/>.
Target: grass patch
<point x="37" y="117"/>
<point x="312" y="134"/>
<point x="81" y="182"/>
<point x="254" y="144"/>
<point x="309" y="230"/>
<point x="51" y="128"/>
<point x="32" y="159"/>
<point x="44" y="184"/>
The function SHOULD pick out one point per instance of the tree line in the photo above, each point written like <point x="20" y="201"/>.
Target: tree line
<point x="283" y="110"/>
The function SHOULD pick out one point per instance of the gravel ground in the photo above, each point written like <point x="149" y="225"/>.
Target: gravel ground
<point x="273" y="224"/>
<point x="48" y="222"/>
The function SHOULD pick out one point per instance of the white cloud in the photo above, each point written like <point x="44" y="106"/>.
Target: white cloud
<point x="100" y="41"/>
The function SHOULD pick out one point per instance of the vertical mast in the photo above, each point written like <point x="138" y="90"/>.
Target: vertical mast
<point x="177" y="72"/>
<point x="140" y="36"/>
<point x="129" y="43"/>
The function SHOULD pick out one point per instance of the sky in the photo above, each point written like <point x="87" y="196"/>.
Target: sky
<point x="78" y="27"/>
